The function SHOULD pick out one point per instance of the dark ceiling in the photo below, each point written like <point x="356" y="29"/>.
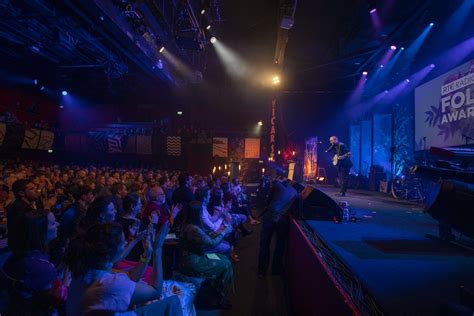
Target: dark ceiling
<point x="102" y="51"/>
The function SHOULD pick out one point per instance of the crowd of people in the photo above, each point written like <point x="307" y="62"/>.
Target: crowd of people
<point x="90" y="240"/>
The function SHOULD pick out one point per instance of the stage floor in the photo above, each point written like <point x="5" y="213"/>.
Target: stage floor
<point x="387" y="250"/>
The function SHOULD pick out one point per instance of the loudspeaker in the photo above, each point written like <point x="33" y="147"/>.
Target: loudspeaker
<point x="451" y="202"/>
<point x="314" y="204"/>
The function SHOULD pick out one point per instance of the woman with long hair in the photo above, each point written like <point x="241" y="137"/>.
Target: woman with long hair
<point x="96" y="288"/>
<point x="195" y="262"/>
<point x="34" y="285"/>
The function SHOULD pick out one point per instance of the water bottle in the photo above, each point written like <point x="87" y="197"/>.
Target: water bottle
<point x="345" y="211"/>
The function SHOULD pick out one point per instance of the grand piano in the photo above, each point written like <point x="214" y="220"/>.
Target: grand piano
<point x="456" y="163"/>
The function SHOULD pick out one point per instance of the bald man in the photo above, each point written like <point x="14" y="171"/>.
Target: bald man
<point x="342" y="162"/>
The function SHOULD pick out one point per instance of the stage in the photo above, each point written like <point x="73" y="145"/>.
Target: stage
<point x="391" y="261"/>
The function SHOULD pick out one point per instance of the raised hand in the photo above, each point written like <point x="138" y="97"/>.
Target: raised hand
<point x="161" y="236"/>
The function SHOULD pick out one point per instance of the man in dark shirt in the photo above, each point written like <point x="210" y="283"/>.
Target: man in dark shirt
<point x="183" y="193"/>
<point x="119" y="192"/>
<point x="342" y="161"/>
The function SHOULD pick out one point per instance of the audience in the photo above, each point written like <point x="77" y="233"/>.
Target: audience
<point x="101" y="224"/>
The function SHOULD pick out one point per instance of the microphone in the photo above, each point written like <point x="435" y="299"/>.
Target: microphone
<point x="330" y="148"/>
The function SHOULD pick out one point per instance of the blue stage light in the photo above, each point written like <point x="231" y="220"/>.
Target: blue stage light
<point x="64" y="92"/>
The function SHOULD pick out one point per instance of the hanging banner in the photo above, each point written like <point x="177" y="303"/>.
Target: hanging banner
<point x="173" y="145"/>
<point x="31" y="138"/>
<point x="272" y="132"/>
<point x="46" y="140"/>
<point x="236" y="148"/>
<point x="444" y="109"/>
<point x="219" y="147"/>
<point x="3" y="131"/>
<point x="252" y="148"/>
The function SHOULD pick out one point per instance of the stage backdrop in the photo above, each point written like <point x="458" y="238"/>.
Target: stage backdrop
<point x="444" y="109"/>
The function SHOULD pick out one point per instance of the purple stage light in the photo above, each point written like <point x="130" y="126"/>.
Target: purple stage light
<point x="386" y="91"/>
<point x="365" y="73"/>
<point x="373" y="10"/>
<point x="381" y="66"/>
<point x="64" y="92"/>
<point x="393" y="47"/>
<point x="407" y="80"/>
<point x="432" y="66"/>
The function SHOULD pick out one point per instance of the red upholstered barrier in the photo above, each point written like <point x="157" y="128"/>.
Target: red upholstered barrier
<point x="312" y="287"/>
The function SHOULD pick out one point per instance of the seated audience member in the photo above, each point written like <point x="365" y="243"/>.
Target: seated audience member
<point x="237" y="208"/>
<point x="131" y="224"/>
<point x="95" y="288"/>
<point x="100" y="211"/>
<point x="26" y="196"/>
<point x="83" y="197"/>
<point x="195" y="262"/>
<point x="119" y="191"/>
<point x="34" y="285"/>
<point x="183" y="194"/>
<point x="165" y="184"/>
<point x="216" y="206"/>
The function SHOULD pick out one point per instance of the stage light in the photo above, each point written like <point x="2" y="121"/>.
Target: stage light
<point x="208" y="27"/>
<point x="61" y="106"/>
<point x="276" y="80"/>
<point x="203" y="11"/>
<point x="393" y="47"/>
<point x="381" y="66"/>
<point x="260" y="123"/>
<point x="35" y="81"/>
<point x="162" y="49"/>
<point x="50" y="151"/>
<point x="179" y="112"/>
<point x="386" y="91"/>
<point x="407" y="80"/>
<point x="431" y="24"/>
<point x="293" y="152"/>
<point x="279" y="152"/>
<point x="432" y="66"/>
<point x="64" y="92"/>
<point x="263" y="170"/>
<point x="373" y="10"/>
<point x="213" y="39"/>
<point x="403" y="48"/>
<point x="42" y="88"/>
<point x="365" y="73"/>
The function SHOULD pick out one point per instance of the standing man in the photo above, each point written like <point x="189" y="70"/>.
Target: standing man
<point x="341" y="161"/>
<point x="275" y="220"/>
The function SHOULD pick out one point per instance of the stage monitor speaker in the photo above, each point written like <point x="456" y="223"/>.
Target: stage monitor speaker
<point x="451" y="202"/>
<point x="314" y="204"/>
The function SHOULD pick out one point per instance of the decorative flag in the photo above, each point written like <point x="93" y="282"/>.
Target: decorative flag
<point x="31" y="138"/>
<point x="236" y="148"/>
<point x="173" y="145"/>
<point x="219" y="147"/>
<point x="46" y="140"/>
<point x="252" y="148"/>
<point x="114" y="143"/>
<point x="3" y="131"/>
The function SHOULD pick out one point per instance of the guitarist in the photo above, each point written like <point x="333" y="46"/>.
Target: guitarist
<point x="341" y="161"/>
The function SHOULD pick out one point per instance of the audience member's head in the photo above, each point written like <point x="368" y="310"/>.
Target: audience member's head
<point x="119" y="189"/>
<point x="194" y="213"/>
<point x="25" y="189"/>
<point x="202" y="195"/>
<point x="185" y="179"/>
<point x="98" y="248"/>
<point x="132" y="205"/>
<point x="84" y="194"/>
<point x="101" y="210"/>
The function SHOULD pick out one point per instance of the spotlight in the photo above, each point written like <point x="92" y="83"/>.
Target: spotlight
<point x="179" y="112"/>
<point x="50" y="151"/>
<point x="386" y="91"/>
<point x="35" y="81"/>
<point x="42" y="88"/>
<point x="381" y="66"/>
<point x="203" y="11"/>
<point x="162" y="49"/>
<point x="213" y="39"/>
<point x="276" y="80"/>
<point x="260" y="123"/>
<point x="61" y="106"/>
<point x="373" y="10"/>
<point x="365" y="73"/>
<point x="393" y="47"/>
<point x="432" y="65"/>
<point x="431" y="24"/>
<point x="64" y="92"/>
<point x="407" y="80"/>
<point x="208" y="27"/>
<point x="403" y="48"/>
